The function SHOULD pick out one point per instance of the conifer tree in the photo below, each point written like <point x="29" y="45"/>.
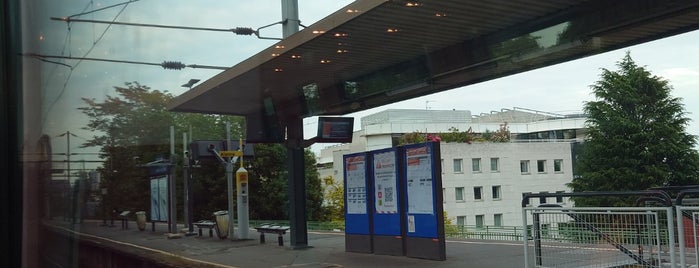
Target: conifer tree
<point x="636" y="136"/>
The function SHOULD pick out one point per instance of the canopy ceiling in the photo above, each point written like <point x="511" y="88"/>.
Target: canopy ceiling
<point x="374" y="52"/>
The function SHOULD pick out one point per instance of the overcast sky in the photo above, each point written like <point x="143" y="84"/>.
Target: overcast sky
<point x="561" y="88"/>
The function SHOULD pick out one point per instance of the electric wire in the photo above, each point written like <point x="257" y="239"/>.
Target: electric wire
<point x="94" y="44"/>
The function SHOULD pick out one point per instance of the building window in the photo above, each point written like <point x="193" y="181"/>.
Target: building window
<point x="460" y="220"/>
<point x="478" y="193"/>
<point x="496" y="192"/>
<point x="559" y="199"/>
<point x="458" y="165"/>
<point x="459" y="194"/>
<point x="524" y="166"/>
<point x="479" y="221"/>
<point x="495" y="164"/>
<point x="444" y="195"/>
<point x="476" y="164"/>
<point x="541" y="166"/>
<point x="558" y="165"/>
<point x="497" y="220"/>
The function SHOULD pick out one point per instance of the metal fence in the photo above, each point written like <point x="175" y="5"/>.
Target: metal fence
<point x="638" y="236"/>
<point x="598" y="237"/>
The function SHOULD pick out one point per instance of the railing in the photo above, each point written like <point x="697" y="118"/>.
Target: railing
<point x="509" y="233"/>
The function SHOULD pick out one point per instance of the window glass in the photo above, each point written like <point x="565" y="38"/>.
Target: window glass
<point x="495" y="164"/>
<point x="459" y="194"/>
<point x="479" y="221"/>
<point x="460" y="220"/>
<point x="497" y="220"/>
<point x="558" y="165"/>
<point x="541" y="166"/>
<point x="524" y="166"/>
<point x="476" y="164"/>
<point x="458" y="165"/>
<point x="478" y="193"/>
<point x="496" y="192"/>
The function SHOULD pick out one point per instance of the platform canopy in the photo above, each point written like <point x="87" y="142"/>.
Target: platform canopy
<point x="373" y="52"/>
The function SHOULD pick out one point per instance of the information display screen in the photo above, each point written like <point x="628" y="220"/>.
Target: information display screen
<point x="335" y="129"/>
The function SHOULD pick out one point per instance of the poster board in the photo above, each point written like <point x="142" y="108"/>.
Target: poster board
<point x="159" y="198"/>
<point x="424" y="221"/>
<point x="357" y="200"/>
<point x="388" y="210"/>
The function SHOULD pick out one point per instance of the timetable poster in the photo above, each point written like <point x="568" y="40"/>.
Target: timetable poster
<point x="385" y="195"/>
<point x="419" y="180"/>
<point x="356" y="194"/>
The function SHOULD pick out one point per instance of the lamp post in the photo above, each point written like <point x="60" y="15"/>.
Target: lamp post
<point x="186" y="174"/>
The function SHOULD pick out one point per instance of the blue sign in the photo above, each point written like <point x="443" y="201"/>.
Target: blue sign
<point x="421" y="191"/>
<point x="357" y="194"/>
<point x="387" y="193"/>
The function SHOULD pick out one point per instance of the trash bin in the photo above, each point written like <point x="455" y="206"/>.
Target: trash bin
<point x="141" y="220"/>
<point x="221" y="223"/>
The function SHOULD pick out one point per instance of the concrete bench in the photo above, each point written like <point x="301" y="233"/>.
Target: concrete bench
<point x="272" y="229"/>
<point x="124" y="218"/>
<point x="203" y="224"/>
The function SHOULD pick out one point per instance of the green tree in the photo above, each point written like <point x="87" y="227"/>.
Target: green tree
<point x="636" y="137"/>
<point x="132" y="128"/>
<point x="269" y="185"/>
<point x="335" y="196"/>
<point x="314" y="189"/>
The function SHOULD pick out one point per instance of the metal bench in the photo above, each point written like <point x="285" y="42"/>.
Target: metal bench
<point x="124" y="217"/>
<point x="206" y="224"/>
<point x="273" y="229"/>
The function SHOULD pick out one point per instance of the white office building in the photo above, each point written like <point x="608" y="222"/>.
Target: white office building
<point x="482" y="182"/>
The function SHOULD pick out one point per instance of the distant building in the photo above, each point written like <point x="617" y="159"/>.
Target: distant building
<point x="482" y="182"/>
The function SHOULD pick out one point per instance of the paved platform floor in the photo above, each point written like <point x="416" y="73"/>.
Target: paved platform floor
<point x="327" y="249"/>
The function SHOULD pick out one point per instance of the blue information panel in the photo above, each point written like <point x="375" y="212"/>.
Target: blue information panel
<point x="420" y="190"/>
<point x="423" y="184"/>
<point x="386" y="205"/>
<point x="357" y="197"/>
<point x="424" y="221"/>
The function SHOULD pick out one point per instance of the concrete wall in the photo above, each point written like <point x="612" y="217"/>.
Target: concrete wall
<point x="511" y="180"/>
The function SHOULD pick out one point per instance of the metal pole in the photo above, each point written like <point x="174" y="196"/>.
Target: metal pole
<point x="680" y="231"/>
<point x="290" y="17"/>
<point x="229" y="180"/>
<point x="185" y="178"/>
<point x="295" y="151"/>
<point x="171" y="182"/>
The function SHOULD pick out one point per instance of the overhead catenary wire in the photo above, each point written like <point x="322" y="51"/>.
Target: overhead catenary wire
<point x="236" y="30"/>
<point x="100" y="9"/>
<point x="168" y="65"/>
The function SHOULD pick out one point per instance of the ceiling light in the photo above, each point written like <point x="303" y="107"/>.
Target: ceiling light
<point x="318" y="32"/>
<point x="295" y="56"/>
<point x="352" y="11"/>
<point x="340" y="51"/>
<point x="392" y="30"/>
<point x="275" y="54"/>
<point x="440" y="14"/>
<point x="324" y="61"/>
<point x="279" y="46"/>
<point x="413" y="4"/>
<point x="340" y="35"/>
<point x="278" y="70"/>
